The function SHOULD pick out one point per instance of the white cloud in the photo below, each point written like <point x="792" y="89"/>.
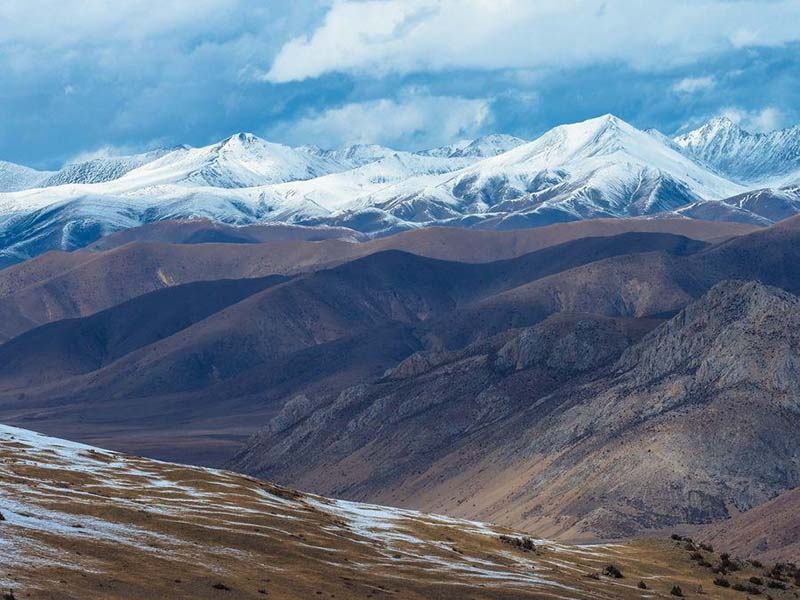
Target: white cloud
<point x="413" y="121"/>
<point x="380" y="36"/>
<point x="741" y="38"/>
<point x="767" y="119"/>
<point x="63" y="23"/>
<point x="692" y="85"/>
<point x="106" y="151"/>
<point x="113" y="151"/>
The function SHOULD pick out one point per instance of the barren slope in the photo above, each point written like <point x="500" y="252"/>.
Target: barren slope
<point x="74" y="346"/>
<point x="770" y="531"/>
<point x="696" y="420"/>
<point x="60" y="285"/>
<point x="218" y="377"/>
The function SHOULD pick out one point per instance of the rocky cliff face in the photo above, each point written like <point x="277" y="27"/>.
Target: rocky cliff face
<point x="701" y="415"/>
<point x="741" y="333"/>
<point x="431" y="404"/>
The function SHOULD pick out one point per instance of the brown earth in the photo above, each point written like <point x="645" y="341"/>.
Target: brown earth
<point x="59" y="285"/>
<point x="568" y="391"/>
<point x="693" y="421"/>
<point x="79" y="522"/>
<point x="218" y="377"/>
<point x="769" y="532"/>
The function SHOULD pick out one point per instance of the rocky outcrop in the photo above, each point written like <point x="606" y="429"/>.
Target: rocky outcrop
<point x="427" y="405"/>
<point x="740" y="333"/>
<point x="576" y="344"/>
<point x="578" y="426"/>
<point x="698" y="417"/>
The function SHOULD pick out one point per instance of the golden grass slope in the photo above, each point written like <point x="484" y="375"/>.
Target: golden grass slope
<point x="79" y="522"/>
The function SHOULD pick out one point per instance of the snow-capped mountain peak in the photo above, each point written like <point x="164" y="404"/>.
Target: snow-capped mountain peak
<point x="599" y="167"/>
<point x="719" y="125"/>
<point x="14" y="177"/>
<point x="600" y="140"/>
<point x="239" y="161"/>
<point x="743" y="156"/>
<point x="100" y="170"/>
<point x="489" y="145"/>
<point x="717" y="131"/>
<point x="600" y="136"/>
<point x="447" y="150"/>
<point x="353" y="156"/>
<point x="242" y="138"/>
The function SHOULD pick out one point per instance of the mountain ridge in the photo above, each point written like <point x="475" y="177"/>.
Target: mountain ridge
<point x="746" y="157"/>
<point x="601" y="167"/>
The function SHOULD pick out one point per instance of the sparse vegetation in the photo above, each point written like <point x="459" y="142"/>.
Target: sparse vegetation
<point x="726" y="564"/>
<point x="282" y="492"/>
<point x="612" y="571"/>
<point x="700" y="559"/>
<point x="650" y="567"/>
<point x="707" y="547"/>
<point x="749" y="588"/>
<point x="522" y="543"/>
<point x="784" y="571"/>
<point x="9" y="595"/>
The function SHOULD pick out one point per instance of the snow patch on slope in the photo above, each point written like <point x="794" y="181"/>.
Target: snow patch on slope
<point x="57" y="493"/>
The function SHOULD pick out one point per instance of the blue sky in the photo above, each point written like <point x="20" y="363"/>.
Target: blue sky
<point x="83" y="78"/>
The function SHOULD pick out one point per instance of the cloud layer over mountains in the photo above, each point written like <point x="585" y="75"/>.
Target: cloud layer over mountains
<point x="404" y="74"/>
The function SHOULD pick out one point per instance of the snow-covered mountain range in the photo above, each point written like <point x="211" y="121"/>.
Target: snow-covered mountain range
<point x="603" y="167"/>
<point x="18" y="177"/>
<point x="745" y="157"/>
